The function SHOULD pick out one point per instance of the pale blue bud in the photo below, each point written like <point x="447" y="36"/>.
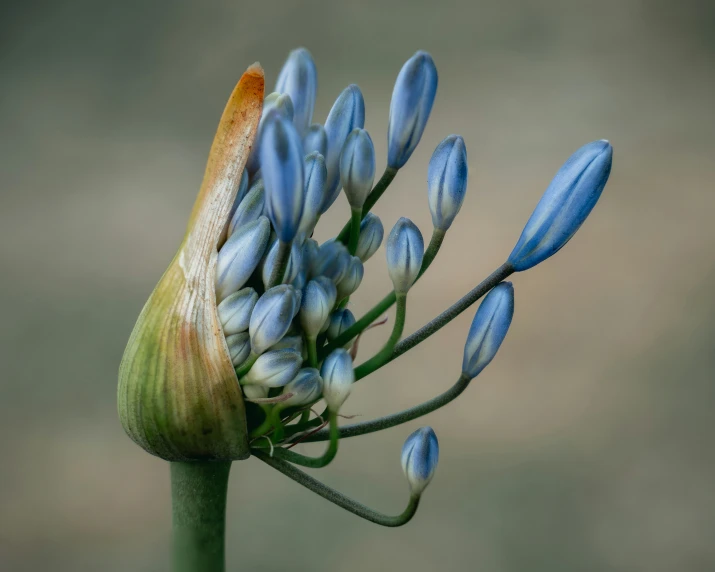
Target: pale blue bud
<point x="305" y="387"/>
<point x="299" y="79"/>
<point x="371" y="234"/>
<point x="315" y="308"/>
<point x="488" y="329"/>
<point x="357" y="167"/>
<point x="239" y="347"/>
<point x="447" y="181"/>
<point x="294" y="343"/>
<point x="333" y="260"/>
<point x="329" y="287"/>
<point x="352" y="279"/>
<point x="404" y="250"/>
<point x="420" y="455"/>
<point x="274" y="368"/>
<point x="564" y="206"/>
<point x="234" y="312"/>
<point x="271" y="317"/>
<point x="410" y="106"/>
<point x="315" y="140"/>
<point x="294" y="263"/>
<point x="340" y="320"/>
<point x="282" y="167"/>
<point x="279" y="103"/>
<point x="240" y="193"/>
<point x="240" y="255"/>
<point x="338" y="378"/>
<point x="348" y="112"/>
<point x="315" y="180"/>
<point x="310" y="255"/>
<point x="250" y="209"/>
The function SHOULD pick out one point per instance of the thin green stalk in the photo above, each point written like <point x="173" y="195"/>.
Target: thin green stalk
<point x="282" y="259"/>
<point x="314" y="462"/>
<point x="198" y="500"/>
<point x="312" y="351"/>
<point x="246" y="366"/>
<point x="338" y="498"/>
<point x="355" y="219"/>
<point x="383" y="356"/>
<point x="372" y="198"/>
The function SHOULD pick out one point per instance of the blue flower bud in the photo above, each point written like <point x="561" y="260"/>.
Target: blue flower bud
<point x="315" y="140"/>
<point x="352" y="279"/>
<point x="294" y="263"/>
<point x="279" y="103"/>
<point x="315" y="308"/>
<point x="294" y="343"/>
<point x="420" y="455"/>
<point x="315" y="177"/>
<point x="242" y="190"/>
<point x="348" y="112"/>
<point x="282" y="167"/>
<point x="338" y="378"/>
<point x="234" y="312"/>
<point x="357" y="167"/>
<point x="340" y="320"/>
<point x="310" y="255"/>
<point x="410" y="106"/>
<point x="405" y="250"/>
<point x="447" y="181"/>
<point x="371" y="233"/>
<point x="239" y="347"/>
<point x="274" y="368"/>
<point x="488" y="329"/>
<point x="329" y="287"/>
<point x="240" y="255"/>
<point x="305" y="387"/>
<point x="271" y="317"/>
<point x="250" y="209"/>
<point x="299" y="79"/>
<point x="333" y="260"/>
<point x="564" y="206"/>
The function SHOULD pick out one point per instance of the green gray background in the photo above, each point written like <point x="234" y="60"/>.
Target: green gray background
<point x="585" y="446"/>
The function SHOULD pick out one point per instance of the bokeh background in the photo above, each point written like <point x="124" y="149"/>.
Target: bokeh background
<point x="586" y="446"/>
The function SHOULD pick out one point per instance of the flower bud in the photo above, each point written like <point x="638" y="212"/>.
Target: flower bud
<point x="294" y="343"/>
<point x="310" y="255"/>
<point x="447" y="181"/>
<point x="405" y="249"/>
<point x="488" y="329"/>
<point x="315" y="308"/>
<point x="281" y="155"/>
<point x="564" y="206"/>
<point x="357" y="167"/>
<point x="347" y="113"/>
<point x="329" y="287"/>
<point x="315" y="178"/>
<point x="240" y="255"/>
<point x="352" y="279"/>
<point x="239" y="347"/>
<point x="240" y="194"/>
<point x="279" y="103"/>
<point x="410" y="106"/>
<point x="371" y="233"/>
<point x="271" y="317"/>
<point x="315" y="140"/>
<point x="305" y="387"/>
<point x="338" y="377"/>
<point x="333" y="260"/>
<point x="254" y="391"/>
<point x="294" y="263"/>
<point x="299" y="79"/>
<point x="340" y="320"/>
<point x="274" y="368"/>
<point x="250" y="209"/>
<point x="420" y="455"/>
<point x="234" y="312"/>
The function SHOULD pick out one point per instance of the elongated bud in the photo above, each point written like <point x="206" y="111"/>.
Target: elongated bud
<point x="338" y="378"/>
<point x="333" y="260"/>
<point x="405" y="250"/>
<point x="411" y="104"/>
<point x="329" y="287"/>
<point x="274" y="368"/>
<point x="315" y="308"/>
<point x="340" y="320"/>
<point x="240" y="255"/>
<point x="178" y="395"/>
<point x="420" y="455"/>
<point x="282" y="167"/>
<point x="275" y="102"/>
<point x="352" y="279"/>
<point x="348" y="112"/>
<point x="299" y="79"/>
<point x="295" y="261"/>
<point x="310" y="255"/>
<point x="315" y="180"/>
<point x="239" y="347"/>
<point x="315" y="140"/>
<point x="294" y="343"/>
<point x="357" y="167"/>
<point x="564" y="206"/>
<point x="305" y="387"/>
<point x="447" y="181"/>
<point x="234" y="312"/>
<point x="240" y="194"/>
<point x="271" y="317"/>
<point x="250" y="209"/>
<point x="488" y="329"/>
<point x="371" y="234"/>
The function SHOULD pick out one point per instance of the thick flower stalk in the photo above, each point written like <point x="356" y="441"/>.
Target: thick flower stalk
<point x="248" y="345"/>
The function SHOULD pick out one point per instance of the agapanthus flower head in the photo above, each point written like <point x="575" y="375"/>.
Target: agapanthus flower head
<point x="420" y="455"/>
<point x="299" y="80"/>
<point x="447" y="181"/>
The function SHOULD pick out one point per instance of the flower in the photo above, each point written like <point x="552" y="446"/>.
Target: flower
<point x="420" y="455"/>
<point x="405" y="250"/>
<point x="447" y="181"/>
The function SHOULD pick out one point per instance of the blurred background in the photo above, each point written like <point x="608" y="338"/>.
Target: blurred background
<point x="585" y="446"/>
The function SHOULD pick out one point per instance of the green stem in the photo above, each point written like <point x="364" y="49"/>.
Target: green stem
<point x="312" y="351"/>
<point x="198" y="500"/>
<point x="372" y="198"/>
<point x="383" y="356"/>
<point x="246" y="366"/>
<point x="281" y="264"/>
<point x="314" y="462"/>
<point x="338" y="498"/>
<point x="355" y="219"/>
